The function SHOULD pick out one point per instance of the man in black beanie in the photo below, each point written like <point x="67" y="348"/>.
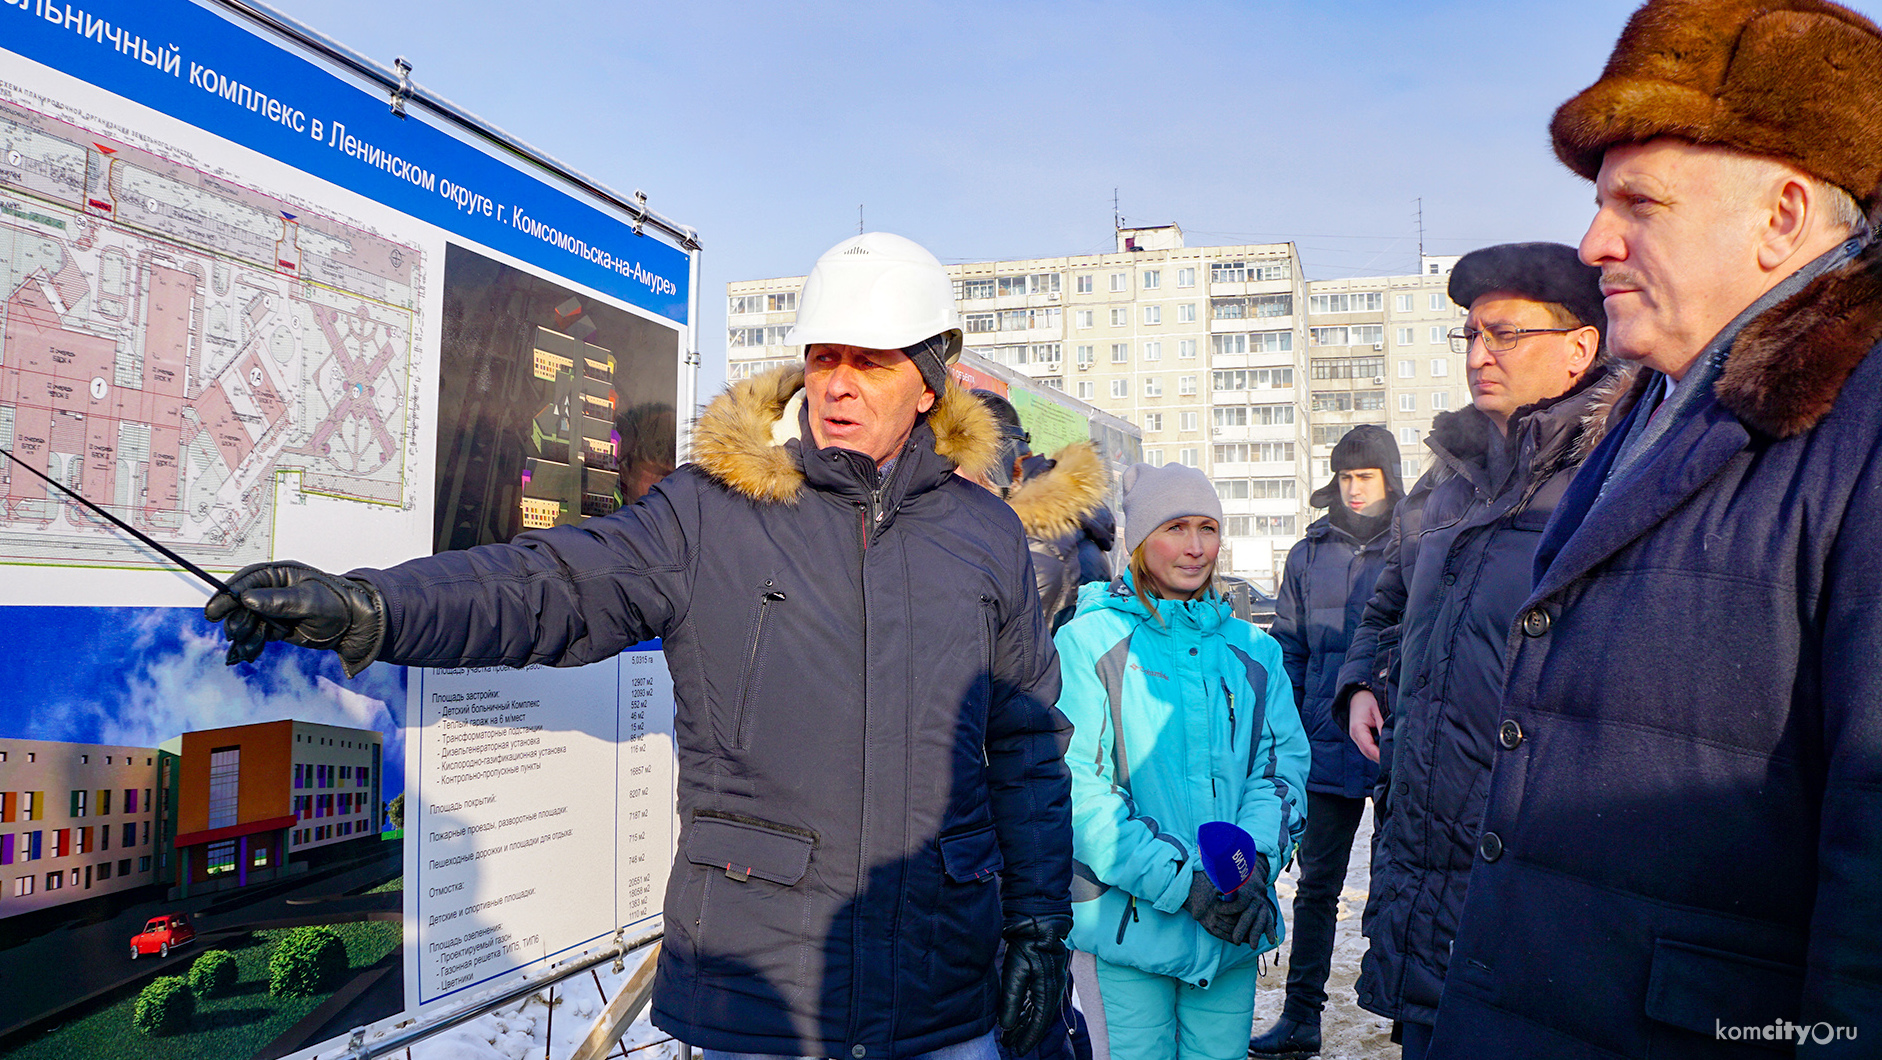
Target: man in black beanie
<point x="1457" y="569"/>
<point x="1323" y="593"/>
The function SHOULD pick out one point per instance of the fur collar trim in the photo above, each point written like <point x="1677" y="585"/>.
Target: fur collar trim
<point x="1051" y="505"/>
<point x="1466" y="434"/>
<point x="740" y="438"/>
<point x="1788" y="365"/>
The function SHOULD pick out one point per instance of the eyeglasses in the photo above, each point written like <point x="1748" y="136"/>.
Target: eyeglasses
<point x="1495" y="339"/>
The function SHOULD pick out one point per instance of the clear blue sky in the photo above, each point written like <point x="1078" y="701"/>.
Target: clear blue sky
<point x="1000" y="129"/>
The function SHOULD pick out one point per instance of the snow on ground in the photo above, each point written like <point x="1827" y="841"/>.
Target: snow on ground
<point x="1347" y="1031"/>
<point x="520" y="1031"/>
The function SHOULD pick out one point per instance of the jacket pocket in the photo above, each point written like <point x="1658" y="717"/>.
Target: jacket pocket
<point x="1699" y="989"/>
<point x="768" y="600"/>
<point x="972" y="856"/>
<point x="746" y="847"/>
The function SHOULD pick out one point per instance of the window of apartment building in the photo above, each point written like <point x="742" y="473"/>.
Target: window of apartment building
<point x="1347" y="400"/>
<point x="1253" y="307"/>
<point x="1228" y="272"/>
<point x="1437" y="301"/>
<point x="746" y="303"/>
<point x="1440" y="366"/>
<point x="1153" y="351"/>
<point x="80" y="800"/>
<point x="1252" y="378"/>
<point x="1260" y="415"/>
<point x="220" y="858"/>
<point x="1186" y="421"/>
<point x="977" y="288"/>
<point x="1405" y="336"/>
<point x="1186" y="277"/>
<point x="1186" y="347"/>
<point x="1402" y="303"/>
<point x="1153" y="457"/>
<point x="977" y="323"/>
<point x="1408" y="402"/>
<point x="1254" y="452"/>
<point x="1346" y="367"/>
<point x="1085" y="356"/>
<point x="1259" y="526"/>
<point x="1186" y="385"/>
<point x="1273" y="270"/>
<point x="1440" y="400"/>
<point x="1330" y="433"/>
<point x="1252" y="342"/>
<point x="1353" y="302"/>
<point x="1082" y="318"/>
<point x="1014" y="320"/>
<point x="1186" y="457"/>
<point x="1120" y="281"/>
<point x="1408" y="369"/>
<point x="1351" y="335"/>
<point x="1153" y="387"/>
<point x="1153" y="279"/>
<point x="1153" y="421"/>
<point x="1408" y="436"/>
<point x="1082" y="283"/>
<point x="1186" y="313"/>
<point x="1153" y="314"/>
<point x="785" y="302"/>
<point x="1437" y="334"/>
<point x="1120" y="316"/>
<point x="1120" y="388"/>
<point x="1087" y="389"/>
<point x="1411" y="468"/>
<point x="752" y="337"/>
<point x="225" y="767"/>
<point x="1120" y="353"/>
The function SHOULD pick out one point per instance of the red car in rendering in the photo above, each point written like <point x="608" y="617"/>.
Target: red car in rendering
<point x="162" y="934"/>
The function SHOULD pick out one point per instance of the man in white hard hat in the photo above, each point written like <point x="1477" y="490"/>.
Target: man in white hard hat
<point x="871" y="789"/>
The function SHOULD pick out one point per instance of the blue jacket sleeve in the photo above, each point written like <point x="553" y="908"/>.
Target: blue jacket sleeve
<point x="1274" y="801"/>
<point x="1378" y="627"/>
<point x="1026" y="775"/>
<point x="1122" y="848"/>
<point x="1290" y="618"/>
<point x="564" y="596"/>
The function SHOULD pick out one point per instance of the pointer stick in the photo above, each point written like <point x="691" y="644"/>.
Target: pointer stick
<point x="214" y="582"/>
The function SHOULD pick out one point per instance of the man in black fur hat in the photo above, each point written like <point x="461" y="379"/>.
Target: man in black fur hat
<point x="1457" y="570"/>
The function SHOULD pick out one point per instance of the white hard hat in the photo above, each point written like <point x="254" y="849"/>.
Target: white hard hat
<point x="880" y="292"/>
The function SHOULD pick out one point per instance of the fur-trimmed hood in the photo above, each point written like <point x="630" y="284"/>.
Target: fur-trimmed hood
<point x="1051" y="505"/>
<point x="1789" y="364"/>
<point x="1567" y="428"/>
<point x="741" y="438"/>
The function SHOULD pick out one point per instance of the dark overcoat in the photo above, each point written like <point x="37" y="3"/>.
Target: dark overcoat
<point x="871" y="772"/>
<point x="1469" y="531"/>
<point x="1684" y="835"/>
<point x="1324" y="588"/>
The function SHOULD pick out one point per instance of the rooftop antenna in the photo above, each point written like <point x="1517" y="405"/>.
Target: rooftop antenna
<point x="1421" y="230"/>
<point x="1117" y="219"/>
<point x="859" y="218"/>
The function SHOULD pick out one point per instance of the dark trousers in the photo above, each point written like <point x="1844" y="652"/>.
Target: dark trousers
<point x="1325" y="850"/>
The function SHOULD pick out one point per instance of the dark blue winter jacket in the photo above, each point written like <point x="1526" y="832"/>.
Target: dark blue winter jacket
<point x="1684" y="832"/>
<point x="1324" y="588"/>
<point x="1469" y="530"/>
<point x="871" y="770"/>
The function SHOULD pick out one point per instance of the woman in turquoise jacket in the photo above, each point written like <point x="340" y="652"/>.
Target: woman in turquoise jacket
<point x="1183" y="714"/>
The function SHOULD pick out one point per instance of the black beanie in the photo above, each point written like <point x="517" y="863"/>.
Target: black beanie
<point x="1367" y="445"/>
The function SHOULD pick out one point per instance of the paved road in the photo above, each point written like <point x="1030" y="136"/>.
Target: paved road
<point x="80" y="960"/>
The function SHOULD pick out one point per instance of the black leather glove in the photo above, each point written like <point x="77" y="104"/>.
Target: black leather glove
<point x="1254" y="921"/>
<point x="1032" y="981"/>
<point x="301" y="605"/>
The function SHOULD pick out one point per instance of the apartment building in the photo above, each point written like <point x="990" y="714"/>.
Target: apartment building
<point x="76" y="821"/>
<point x="1226" y="356"/>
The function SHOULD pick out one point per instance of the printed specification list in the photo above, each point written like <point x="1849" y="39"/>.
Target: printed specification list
<point x="545" y="813"/>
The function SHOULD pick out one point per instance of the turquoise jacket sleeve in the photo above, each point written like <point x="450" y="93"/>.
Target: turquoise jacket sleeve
<point x="1274" y="801"/>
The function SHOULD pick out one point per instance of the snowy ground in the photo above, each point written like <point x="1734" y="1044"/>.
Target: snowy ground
<point x="521" y="1031"/>
<point x="1348" y="1032"/>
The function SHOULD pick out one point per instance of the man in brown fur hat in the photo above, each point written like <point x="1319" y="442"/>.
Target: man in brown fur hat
<point x="1680" y="849"/>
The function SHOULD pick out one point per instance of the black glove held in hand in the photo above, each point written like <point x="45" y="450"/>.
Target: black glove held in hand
<point x="1236" y="918"/>
<point x="1032" y="982"/>
<point x="301" y="605"/>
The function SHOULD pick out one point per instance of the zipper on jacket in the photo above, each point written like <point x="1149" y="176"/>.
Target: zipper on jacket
<point x="771" y="596"/>
<point x="1129" y="917"/>
<point x="1229" y="692"/>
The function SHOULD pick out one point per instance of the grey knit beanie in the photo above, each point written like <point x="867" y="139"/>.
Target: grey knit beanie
<point x="1155" y="495"/>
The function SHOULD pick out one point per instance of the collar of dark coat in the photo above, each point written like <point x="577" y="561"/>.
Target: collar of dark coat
<point x="1790" y="363"/>
<point x="1052" y="504"/>
<point x="740" y="440"/>
<point x="1559" y="430"/>
<point x="1326" y="526"/>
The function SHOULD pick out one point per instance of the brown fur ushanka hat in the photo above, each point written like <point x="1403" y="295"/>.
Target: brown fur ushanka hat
<point x="1795" y="80"/>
